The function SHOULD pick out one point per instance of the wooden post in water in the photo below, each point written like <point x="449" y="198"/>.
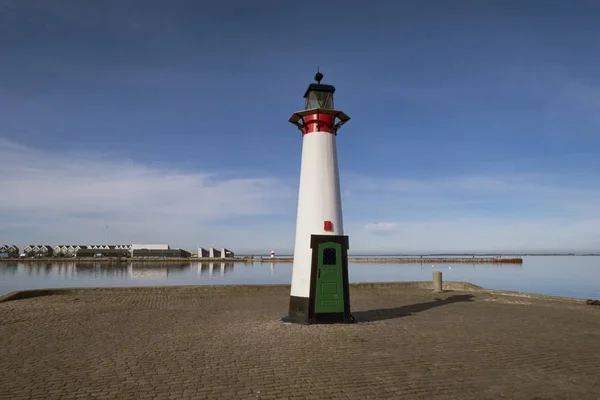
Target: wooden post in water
<point x="437" y="281"/>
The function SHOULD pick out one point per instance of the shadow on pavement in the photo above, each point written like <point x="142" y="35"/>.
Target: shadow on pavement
<point x="404" y="311"/>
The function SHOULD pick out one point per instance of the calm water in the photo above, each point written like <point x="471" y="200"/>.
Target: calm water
<point x="570" y="276"/>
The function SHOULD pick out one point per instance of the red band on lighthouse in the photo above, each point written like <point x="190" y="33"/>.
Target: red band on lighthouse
<point x="319" y="123"/>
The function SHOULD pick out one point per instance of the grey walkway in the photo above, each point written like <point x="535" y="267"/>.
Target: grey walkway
<point x="228" y="343"/>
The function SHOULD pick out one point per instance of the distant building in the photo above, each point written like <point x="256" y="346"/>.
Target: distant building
<point x="150" y="247"/>
<point x="144" y="248"/>
<point x="9" y="250"/>
<point x="84" y="250"/>
<point x="116" y="250"/>
<point x="202" y="252"/>
<point x="214" y="253"/>
<point x="67" y="250"/>
<point x="38" y="250"/>
<point x="160" y="253"/>
<point x="211" y="252"/>
<point x="225" y="253"/>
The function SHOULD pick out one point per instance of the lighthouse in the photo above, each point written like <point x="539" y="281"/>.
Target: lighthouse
<point x="319" y="292"/>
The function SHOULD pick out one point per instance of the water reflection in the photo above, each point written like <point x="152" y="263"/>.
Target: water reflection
<point x="131" y="270"/>
<point x="560" y="276"/>
<point x="8" y="268"/>
<point x="210" y="269"/>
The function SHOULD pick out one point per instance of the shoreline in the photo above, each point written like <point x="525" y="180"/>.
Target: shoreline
<point x="447" y="286"/>
<point x="387" y="260"/>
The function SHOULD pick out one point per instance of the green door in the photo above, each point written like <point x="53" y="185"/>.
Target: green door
<point x="329" y="297"/>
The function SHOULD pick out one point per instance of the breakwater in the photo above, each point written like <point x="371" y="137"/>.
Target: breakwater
<point x="441" y="260"/>
<point x="409" y="260"/>
<point x="370" y="260"/>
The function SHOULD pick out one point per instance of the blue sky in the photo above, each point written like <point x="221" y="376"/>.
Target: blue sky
<point x="475" y="125"/>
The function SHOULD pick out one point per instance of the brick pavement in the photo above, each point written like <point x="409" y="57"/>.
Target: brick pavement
<point x="228" y="343"/>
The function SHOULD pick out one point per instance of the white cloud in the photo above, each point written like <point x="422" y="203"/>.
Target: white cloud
<point x="529" y="212"/>
<point x="482" y="234"/>
<point x="559" y="196"/>
<point x="53" y="198"/>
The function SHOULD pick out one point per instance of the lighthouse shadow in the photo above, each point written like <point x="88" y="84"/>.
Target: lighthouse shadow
<point x="381" y="314"/>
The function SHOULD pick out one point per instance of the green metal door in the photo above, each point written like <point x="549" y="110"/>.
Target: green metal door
<point x="329" y="296"/>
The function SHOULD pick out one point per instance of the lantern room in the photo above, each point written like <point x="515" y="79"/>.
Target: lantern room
<point x="319" y="114"/>
<point x="319" y="95"/>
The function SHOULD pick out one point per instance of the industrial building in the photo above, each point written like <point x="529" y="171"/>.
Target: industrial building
<point x="159" y="253"/>
<point x="226" y="253"/>
<point x="8" y="250"/>
<point x="211" y="252"/>
<point x="150" y="247"/>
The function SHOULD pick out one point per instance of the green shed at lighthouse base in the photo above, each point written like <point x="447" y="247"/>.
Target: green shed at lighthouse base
<point x="329" y="298"/>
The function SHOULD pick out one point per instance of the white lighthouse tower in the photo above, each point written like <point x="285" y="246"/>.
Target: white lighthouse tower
<point x="319" y="292"/>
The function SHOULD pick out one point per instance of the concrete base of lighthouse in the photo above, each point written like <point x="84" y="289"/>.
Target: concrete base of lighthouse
<point x="329" y="298"/>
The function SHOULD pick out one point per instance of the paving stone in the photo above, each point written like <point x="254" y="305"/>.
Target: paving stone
<point x="229" y="343"/>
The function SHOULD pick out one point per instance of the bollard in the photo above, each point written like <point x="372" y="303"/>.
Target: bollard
<point x="437" y="282"/>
